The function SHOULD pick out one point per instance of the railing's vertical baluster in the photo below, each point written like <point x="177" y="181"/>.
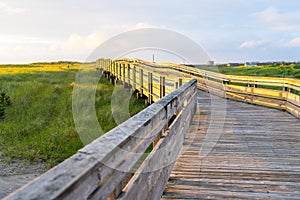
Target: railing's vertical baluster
<point x="134" y="77"/>
<point x="286" y="87"/>
<point x="225" y="88"/>
<point x="114" y="68"/>
<point x="117" y="71"/>
<point x="180" y="82"/>
<point x="120" y="72"/>
<point x="112" y="72"/>
<point x="150" y="88"/>
<point x="141" y="81"/>
<point x="128" y="75"/>
<point x="110" y="66"/>
<point x="124" y="74"/>
<point x="162" y="86"/>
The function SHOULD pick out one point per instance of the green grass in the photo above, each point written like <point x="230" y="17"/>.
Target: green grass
<point x="288" y="71"/>
<point x="39" y="125"/>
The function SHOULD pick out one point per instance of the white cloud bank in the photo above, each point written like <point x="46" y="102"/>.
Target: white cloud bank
<point x="27" y="48"/>
<point x="8" y="9"/>
<point x="292" y="43"/>
<point x="253" y="44"/>
<point x="77" y="42"/>
<point x="279" y="21"/>
<point x="91" y="41"/>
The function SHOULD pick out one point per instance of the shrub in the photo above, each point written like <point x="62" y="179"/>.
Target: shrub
<point x="2" y="111"/>
<point x="4" y="102"/>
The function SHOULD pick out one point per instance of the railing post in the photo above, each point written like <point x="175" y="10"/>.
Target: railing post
<point x="141" y="82"/>
<point x="150" y="87"/>
<point x="128" y="75"/>
<point x="134" y="77"/>
<point x="180" y="82"/>
<point x="119" y="81"/>
<point x="124" y="74"/>
<point x="117" y="70"/>
<point x="120" y="71"/>
<point x="114" y="68"/>
<point x="225" y="83"/>
<point x="110" y="66"/>
<point x="176" y="85"/>
<point x="252" y="85"/>
<point x="286" y="88"/>
<point x="162" y="86"/>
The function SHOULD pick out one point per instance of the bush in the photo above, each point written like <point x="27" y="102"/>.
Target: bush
<point x="297" y="67"/>
<point x="2" y="111"/>
<point x="4" y="102"/>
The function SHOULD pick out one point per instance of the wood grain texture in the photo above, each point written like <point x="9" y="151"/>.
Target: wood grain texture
<point x="257" y="155"/>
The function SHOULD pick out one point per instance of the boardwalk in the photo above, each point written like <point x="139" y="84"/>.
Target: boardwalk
<point x="257" y="155"/>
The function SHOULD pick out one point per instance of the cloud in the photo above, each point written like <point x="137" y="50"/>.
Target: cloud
<point x="26" y="48"/>
<point x="269" y="15"/>
<point x="253" y="44"/>
<point x="279" y="21"/>
<point x="292" y="43"/>
<point x="91" y="41"/>
<point x="21" y="39"/>
<point x="143" y="25"/>
<point x="139" y="25"/>
<point x="8" y="9"/>
<point x="77" y="42"/>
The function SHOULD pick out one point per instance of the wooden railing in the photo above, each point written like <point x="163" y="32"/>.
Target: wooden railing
<point x="280" y="93"/>
<point x="148" y="79"/>
<point x="115" y="166"/>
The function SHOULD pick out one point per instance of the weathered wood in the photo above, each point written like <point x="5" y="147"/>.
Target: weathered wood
<point x="256" y="157"/>
<point x="156" y="168"/>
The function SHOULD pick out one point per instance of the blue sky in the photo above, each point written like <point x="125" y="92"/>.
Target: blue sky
<point x="230" y="30"/>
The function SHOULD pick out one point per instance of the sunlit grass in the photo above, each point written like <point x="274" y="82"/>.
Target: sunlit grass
<point x="42" y="67"/>
<point x="287" y="71"/>
<point x="39" y="124"/>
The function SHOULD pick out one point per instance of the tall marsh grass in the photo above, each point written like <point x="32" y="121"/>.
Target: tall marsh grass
<point x="39" y="125"/>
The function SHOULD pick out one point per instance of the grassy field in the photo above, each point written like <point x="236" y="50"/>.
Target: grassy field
<point x="287" y="71"/>
<point x="39" y="125"/>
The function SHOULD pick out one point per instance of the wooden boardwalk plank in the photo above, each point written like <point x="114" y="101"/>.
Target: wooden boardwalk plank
<point x="254" y="153"/>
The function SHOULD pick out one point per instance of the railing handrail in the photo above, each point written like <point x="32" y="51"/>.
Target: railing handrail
<point x="220" y="76"/>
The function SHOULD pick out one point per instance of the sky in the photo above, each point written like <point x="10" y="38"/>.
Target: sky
<point x="229" y="30"/>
